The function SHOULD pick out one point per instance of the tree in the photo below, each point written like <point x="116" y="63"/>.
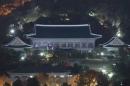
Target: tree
<point x="8" y="57"/>
<point x="122" y="67"/>
<point x="43" y="78"/>
<point x="65" y="84"/>
<point x="7" y="84"/>
<point x="33" y="82"/>
<point x="92" y="78"/>
<point x="18" y="82"/>
<point x="76" y="69"/>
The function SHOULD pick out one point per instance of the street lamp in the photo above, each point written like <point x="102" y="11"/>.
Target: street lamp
<point x="67" y="19"/>
<point x="22" y="58"/>
<point x="31" y="76"/>
<point x="102" y="53"/>
<point x="12" y="31"/>
<point x="118" y="34"/>
<point x="110" y="75"/>
<point x="42" y="54"/>
<point x="104" y="71"/>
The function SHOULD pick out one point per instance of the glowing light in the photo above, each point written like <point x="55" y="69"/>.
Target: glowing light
<point x="114" y="64"/>
<point x="121" y="84"/>
<point x="31" y="76"/>
<point x="22" y="58"/>
<point x="110" y="75"/>
<point x="91" y="13"/>
<point x="7" y="9"/>
<point x="49" y="55"/>
<point x="119" y="34"/>
<point x="67" y="19"/>
<point x="12" y="31"/>
<point x="42" y="54"/>
<point x="104" y="71"/>
<point x="102" y="53"/>
<point x="69" y="75"/>
<point x="62" y="76"/>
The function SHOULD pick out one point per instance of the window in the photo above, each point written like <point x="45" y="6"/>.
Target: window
<point x="56" y="45"/>
<point x="63" y="45"/>
<point x="50" y="45"/>
<point x="43" y="44"/>
<point x="77" y="45"/>
<point x="39" y="43"/>
<point x="70" y="45"/>
<point x="90" y="45"/>
<point x="36" y="45"/>
<point x="84" y="45"/>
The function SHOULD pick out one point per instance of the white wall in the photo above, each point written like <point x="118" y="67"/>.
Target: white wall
<point x="44" y="42"/>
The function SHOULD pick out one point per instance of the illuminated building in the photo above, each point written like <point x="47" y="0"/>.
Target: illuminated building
<point x="17" y="44"/>
<point x="50" y="37"/>
<point x="8" y="6"/>
<point x="114" y="43"/>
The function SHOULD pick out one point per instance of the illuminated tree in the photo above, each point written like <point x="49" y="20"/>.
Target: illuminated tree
<point x="5" y="79"/>
<point x="65" y="84"/>
<point x="43" y="78"/>
<point x="92" y="78"/>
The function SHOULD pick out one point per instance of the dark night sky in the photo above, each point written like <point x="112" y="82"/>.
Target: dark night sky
<point x="107" y="11"/>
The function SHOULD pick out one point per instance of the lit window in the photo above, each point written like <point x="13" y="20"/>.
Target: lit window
<point x="39" y="43"/>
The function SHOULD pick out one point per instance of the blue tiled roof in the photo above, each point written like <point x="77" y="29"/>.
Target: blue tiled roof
<point x="115" y="42"/>
<point x="63" y="31"/>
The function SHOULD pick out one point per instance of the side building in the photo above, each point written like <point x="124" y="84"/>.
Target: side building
<point x="50" y="37"/>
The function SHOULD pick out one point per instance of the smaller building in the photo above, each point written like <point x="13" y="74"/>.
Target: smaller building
<point x="114" y="47"/>
<point x="17" y="44"/>
<point x="114" y="43"/>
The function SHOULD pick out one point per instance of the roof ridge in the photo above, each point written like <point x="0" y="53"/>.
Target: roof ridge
<point x="113" y="40"/>
<point x="76" y="25"/>
<point x="16" y="40"/>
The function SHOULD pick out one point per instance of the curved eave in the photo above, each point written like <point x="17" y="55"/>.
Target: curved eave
<point x="92" y="35"/>
<point x="23" y="46"/>
<point x="106" y="44"/>
<point x="117" y="45"/>
<point x="30" y="35"/>
<point x="96" y="35"/>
